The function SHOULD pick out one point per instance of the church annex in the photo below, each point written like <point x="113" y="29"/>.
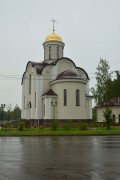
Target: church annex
<point x="55" y="88"/>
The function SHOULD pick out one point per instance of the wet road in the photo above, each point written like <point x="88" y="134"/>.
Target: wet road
<point x="60" y="158"/>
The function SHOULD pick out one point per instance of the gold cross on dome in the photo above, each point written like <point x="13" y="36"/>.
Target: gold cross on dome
<point x="53" y="21"/>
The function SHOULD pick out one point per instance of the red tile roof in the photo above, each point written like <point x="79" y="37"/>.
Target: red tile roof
<point x="111" y="102"/>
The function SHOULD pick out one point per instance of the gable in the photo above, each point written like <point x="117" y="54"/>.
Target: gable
<point x="64" y="64"/>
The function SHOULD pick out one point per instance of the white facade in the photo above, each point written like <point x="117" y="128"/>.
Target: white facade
<point x="114" y="105"/>
<point x="55" y="88"/>
<point x="115" y="112"/>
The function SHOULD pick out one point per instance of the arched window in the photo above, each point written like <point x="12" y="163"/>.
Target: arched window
<point x="30" y="84"/>
<point x="49" y="52"/>
<point x="77" y="97"/>
<point x="29" y="104"/>
<point x="24" y="102"/>
<point x="44" y="110"/>
<point x="65" y="97"/>
<point x="35" y="100"/>
<point x="57" y="52"/>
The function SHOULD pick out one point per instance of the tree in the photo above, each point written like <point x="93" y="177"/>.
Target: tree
<point x="16" y="112"/>
<point x="102" y="77"/>
<point x="108" y="117"/>
<point x="113" y="86"/>
<point x="116" y="85"/>
<point x="9" y="112"/>
<point x="94" y="114"/>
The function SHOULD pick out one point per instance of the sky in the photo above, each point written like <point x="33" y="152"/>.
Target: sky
<point x="90" y="30"/>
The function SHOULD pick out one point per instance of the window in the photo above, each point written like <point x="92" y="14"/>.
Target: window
<point x="24" y="102"/>
<point x="77" y="97"/>
<point x="29" y="105"/>
<point x="30" y="84"/>
<point x="113" y="116"/>
<point x="49" y="52"/>
<point x="44" y="52"/>
<point x="57" y="52"/>
<point x="35" y="99"/>
<point x="65" y="97"/>
<point x="44" y="109"/>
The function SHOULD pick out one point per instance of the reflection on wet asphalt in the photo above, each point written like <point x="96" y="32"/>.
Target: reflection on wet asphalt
<point x="60" y="158"/>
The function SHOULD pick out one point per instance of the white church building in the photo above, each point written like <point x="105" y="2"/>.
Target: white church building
<point x="55" y="88"/>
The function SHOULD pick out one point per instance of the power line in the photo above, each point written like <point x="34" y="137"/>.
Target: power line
<point x="19" y="77"/>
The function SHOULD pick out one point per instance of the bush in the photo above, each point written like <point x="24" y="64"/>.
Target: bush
<point x="69" y="124"/>
<point x="21" y="126"/>
<point x="41" y="127"/>
<point x="83" y="125"/>
<point x="54" y="125"/>
<point x="96" y="124"/>
<point x="5" y="126"/>
<point x="108" y="118"/>
<point x="28" y="126"/>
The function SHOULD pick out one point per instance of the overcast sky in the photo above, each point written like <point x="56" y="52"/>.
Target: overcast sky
<point x="90" y="29"/>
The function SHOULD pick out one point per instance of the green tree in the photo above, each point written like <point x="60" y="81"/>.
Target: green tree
<point x="9" y="112"/>
<point x="94" y="114"/>
<point x="16" y="113"/>
<point x="113" y="86"/>
<point x="54" y="124"/>
<point x="108" y="117"/>
<point x="102" y="77"/>
<point x="116" y="85"/>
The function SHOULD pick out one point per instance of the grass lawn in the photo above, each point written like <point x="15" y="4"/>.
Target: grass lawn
<point x="60" y="131"/>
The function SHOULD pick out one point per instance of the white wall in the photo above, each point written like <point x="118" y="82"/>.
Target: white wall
<point x="71" y="111"/>
<point x="115" y="111"/>
<point x="42" y="83"/>
<point x="53" y="45"/>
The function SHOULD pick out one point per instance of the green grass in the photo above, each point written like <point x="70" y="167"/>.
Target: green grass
<point x="60" y="131"/>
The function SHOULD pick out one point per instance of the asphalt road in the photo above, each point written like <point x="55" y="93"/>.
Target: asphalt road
<point x="60" y="158"/>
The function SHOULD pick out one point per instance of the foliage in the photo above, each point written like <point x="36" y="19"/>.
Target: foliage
<point x="54" y="124"/>
<point x="108" y="118"/>
<point x="102" y="76"/>
<point x="94" y="114"/>
<point x="11" y="114"/>
<point x="113" y="86"/>
<point x="28" y="126"/>
<point x="41" y="127"/>
<point x="48" y="131"/>
<point x="69" y="124"/>
<point x="5" y="126"/>
<point x="83" y="125"/>
<point x="21" y="126"/>
<point x="16" y="113"/>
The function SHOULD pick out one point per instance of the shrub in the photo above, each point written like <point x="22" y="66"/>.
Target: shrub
<point x="83" y="125"/>
<point x="96" y="124"/>
<point x="28" y="126"/>
<point x="108" y="118"/>
<point x="54" y="124"/>
<point x="41" y="127"/>
<point x="69" y="124"/>
<point x="5" y="126"/>
<point x="21" y="126"/>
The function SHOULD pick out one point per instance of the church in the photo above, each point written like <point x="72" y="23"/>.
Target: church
<point x="55" y="88"/>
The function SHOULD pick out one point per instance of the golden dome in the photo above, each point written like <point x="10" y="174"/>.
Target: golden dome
<point x="53" y="37"/>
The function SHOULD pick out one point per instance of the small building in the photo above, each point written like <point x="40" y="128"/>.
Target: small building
<point x="114" y="105"/>
<point x="55" y="88"/>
